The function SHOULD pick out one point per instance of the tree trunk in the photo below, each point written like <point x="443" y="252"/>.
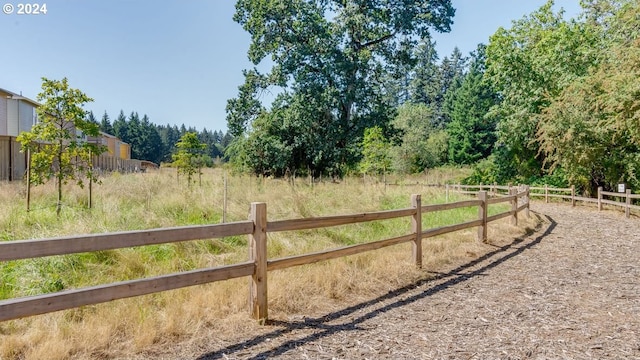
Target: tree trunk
<point x="60" y="174"/>
<point x="59" y="205"/>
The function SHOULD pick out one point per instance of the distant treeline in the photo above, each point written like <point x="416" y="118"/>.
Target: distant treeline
<point x="157" y="142"/>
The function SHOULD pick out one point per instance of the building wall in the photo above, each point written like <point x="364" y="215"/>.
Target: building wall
<point x="111" y="145"/>
<point x="13" y="163"/>
<point x="15" y="116"/>
<point x="12" y="118"/>
<point x="3" y="114"/>
<point x="21" y="116"/>
<point x="27" y="116"/>
<point x="125" y="151"/>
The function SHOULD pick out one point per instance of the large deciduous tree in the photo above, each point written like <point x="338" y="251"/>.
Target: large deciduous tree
<point x="57" y="142"/>
<point x="529" y="64"/>
<point x="592" y="129"/>
<point x="330" y="58"/>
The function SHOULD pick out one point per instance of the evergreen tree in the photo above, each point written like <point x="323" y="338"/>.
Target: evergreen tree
<point x="105" y="125"/>
<point x="452" y="72"/>
<point x="471" y="131"/>
<point x="150" y="142"/>
<point x="375" y="152"/>
<point x="134" y="135"/>
<point x="120" y="126"/>
<point x="188" y="159"/>
<point x="425" y="85"/>
<point x="91" y="118"/>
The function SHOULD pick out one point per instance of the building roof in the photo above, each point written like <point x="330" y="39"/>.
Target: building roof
<point x="109" y="135"/>
<point x="14" y="96"/>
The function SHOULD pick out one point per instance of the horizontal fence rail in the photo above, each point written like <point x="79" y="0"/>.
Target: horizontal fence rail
<point x="257" y="266"/>
<point x="28" y="249"/>
<point x="559" y="193"/>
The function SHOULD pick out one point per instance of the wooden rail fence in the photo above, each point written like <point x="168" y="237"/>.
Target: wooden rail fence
<point x="561" y="193"/>
<point x="256" y="267"/>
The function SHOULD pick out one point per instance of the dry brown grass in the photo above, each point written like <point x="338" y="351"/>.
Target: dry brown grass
<point x="125" y="327"/>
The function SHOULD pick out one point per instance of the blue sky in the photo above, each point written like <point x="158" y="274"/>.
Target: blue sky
<point x="176" y="61"/>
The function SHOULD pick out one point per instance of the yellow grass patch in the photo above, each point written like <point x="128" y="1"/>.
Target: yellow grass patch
<point x="157" y="199"/>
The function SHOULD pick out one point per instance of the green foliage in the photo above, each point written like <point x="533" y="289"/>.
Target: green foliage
<point x="156" y="143"/>
<point x="452" y="73"/>
<point x="375" y="152"/>
<point x="430" y="82"/>
<point x="471" y="132"/>
<point x="484" y="172"/>
<point x="190" y="156"/>
<point x="421" y="144"/>
<point x="529" y="65"/>
<point x="557" y="178"/>
<point x="426" y="78"/>
<point x="591" y="128"/>
<point x="332" y="58"/>
<point x="57" y="143"/>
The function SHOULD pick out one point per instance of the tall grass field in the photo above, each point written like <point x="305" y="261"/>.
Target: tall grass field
<point x="161" y="199"/>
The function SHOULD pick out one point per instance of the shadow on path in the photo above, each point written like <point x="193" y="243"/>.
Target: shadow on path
<point x="455" y="277"/>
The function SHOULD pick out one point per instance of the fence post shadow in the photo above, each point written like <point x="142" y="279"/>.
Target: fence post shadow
<point x="322" y="323"/>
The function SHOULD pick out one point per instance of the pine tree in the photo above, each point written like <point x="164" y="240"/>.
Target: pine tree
<point x="188" y="159"/>
<point x="120" y="127"/>
<point x="425" y="84"/>
<point x="91" y="118"/>
<point x="105" y="125"/>
<point x="471" y="132"/>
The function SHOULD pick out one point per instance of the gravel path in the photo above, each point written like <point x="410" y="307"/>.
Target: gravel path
<point x="569" y="291"/>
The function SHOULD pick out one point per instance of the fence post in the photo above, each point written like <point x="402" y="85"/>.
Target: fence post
<point x="416" y="227"/>
<point x="599" y="198"/>
<point x="514" y="206"/>
<point x="528" y="199"/>
<point x="546" y="193"/>
<point x="447" y="192"/>
<point x="224" y="198"/>
<point x="573" y="195"/>
<point x="482" y="215"/>
<point x="627" y="209"/>
<point x="258" y="254"/>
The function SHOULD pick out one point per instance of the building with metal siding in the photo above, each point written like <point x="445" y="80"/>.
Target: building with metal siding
<point x="17" y="114"/>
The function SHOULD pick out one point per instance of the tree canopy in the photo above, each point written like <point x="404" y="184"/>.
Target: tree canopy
<point x="471" y="129"/>
<point x="57" y="143"/>
<point x="592" y="128"/>
<point x="568" y="99"/>
<point x="189" y="158"/>
<point x="529" y="64"/>
<point x="330" y="60"/>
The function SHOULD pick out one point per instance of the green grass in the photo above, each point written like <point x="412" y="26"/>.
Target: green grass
<point x="156" y="199"/>
<point x="145" y="201"/>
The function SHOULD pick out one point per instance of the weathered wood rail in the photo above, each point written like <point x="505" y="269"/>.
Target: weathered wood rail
<point x="548" y="192"/>
<point x="257" y="266"/>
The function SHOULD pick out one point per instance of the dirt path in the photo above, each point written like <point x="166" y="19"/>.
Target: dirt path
<point x="570" y="291"/>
